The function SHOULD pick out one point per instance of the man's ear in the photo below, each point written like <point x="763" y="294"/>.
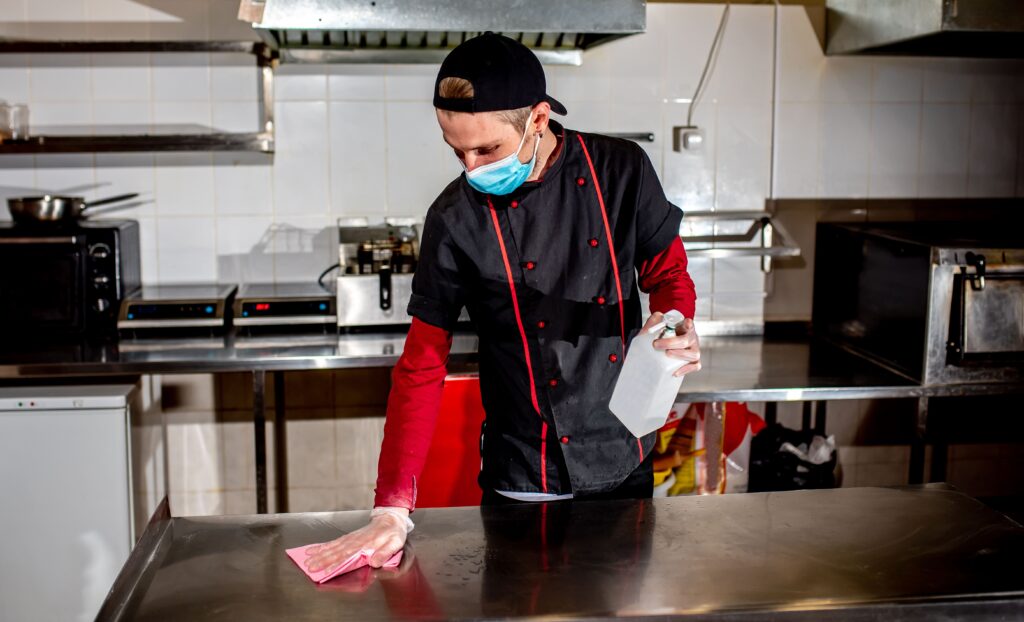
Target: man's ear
<point x="541" y="117"/>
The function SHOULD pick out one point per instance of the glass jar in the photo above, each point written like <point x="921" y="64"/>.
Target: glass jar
<point x="5" y="121"/>
<point x="18" y="116"/>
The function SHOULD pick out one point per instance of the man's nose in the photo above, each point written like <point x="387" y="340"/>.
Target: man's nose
<point x="470" y="162"/>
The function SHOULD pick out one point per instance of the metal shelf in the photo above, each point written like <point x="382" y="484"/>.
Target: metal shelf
<point x="773" y="239"/>
<point x="36" y="46"/>
<point x="258" y="142"/>
<point x="156" y="138"/>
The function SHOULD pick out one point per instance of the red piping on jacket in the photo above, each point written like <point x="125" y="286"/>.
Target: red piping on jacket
<point x="615" y="263"/>
<point x="526" y="349"/>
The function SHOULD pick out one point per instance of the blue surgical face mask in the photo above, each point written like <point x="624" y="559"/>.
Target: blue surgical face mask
<point x="505" y="175"/>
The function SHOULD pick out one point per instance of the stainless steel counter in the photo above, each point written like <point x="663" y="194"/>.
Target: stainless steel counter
<point x="756" y="368"/>
<point x="917" y="553"/>
<point x="752" y="368"/>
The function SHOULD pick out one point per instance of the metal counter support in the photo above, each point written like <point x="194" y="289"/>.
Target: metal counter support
<point x="259" y="420"/>
<point x="918" y="444"/>
<point x="280" y="443"/>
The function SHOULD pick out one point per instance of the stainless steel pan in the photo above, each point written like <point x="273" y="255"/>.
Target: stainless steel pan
<point x="55" y="209"/>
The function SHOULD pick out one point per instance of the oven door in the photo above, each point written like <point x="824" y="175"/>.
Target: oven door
<point x="987" y="322"/>
<point x="42" y="285"/>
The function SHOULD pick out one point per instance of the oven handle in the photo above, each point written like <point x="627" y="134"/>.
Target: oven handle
<point x="51" y="240"/>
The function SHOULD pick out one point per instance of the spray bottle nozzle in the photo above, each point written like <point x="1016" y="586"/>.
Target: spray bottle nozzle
<point x="667" y="326"/>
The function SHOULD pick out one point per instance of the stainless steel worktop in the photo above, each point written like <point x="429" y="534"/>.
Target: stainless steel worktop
<point x="749" y="368"/>
<point x="868" y="553"/>
<point x="754" y="368"/>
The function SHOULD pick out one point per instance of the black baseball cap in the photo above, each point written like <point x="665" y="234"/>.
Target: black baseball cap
<point x="504" y="73"/>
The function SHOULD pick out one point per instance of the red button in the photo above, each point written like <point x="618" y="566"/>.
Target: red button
<point x="514" y="204"/>
<point x="600" y="300"/>
<point x="613" y="357"/>
<point x="530" y="265"/>
<point x="593" y="242"/>
<point x="564" y="440"/>
<point x="541" y="324"/>
<point x="580" y="181"/>
<point x="553" y="382"/>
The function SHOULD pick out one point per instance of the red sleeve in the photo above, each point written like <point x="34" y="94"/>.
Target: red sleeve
<point x="665" y="278"/>
<point x="413" y="406"/>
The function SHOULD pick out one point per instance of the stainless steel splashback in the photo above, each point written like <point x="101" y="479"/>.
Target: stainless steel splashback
<point x="422" y="31"/>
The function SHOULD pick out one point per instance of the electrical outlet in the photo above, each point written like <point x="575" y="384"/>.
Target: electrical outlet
<point x="687" y="138"/>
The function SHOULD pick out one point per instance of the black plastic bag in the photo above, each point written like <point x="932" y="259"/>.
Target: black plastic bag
<point x="772" y="469"/>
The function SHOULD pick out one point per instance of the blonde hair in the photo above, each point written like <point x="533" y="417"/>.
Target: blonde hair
<point x="460" y="88"/>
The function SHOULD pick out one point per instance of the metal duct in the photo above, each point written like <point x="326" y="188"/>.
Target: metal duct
<point x="965" y="28"/>
<point x="422" y="31"/>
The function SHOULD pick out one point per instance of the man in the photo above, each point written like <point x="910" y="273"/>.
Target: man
<point x="539" y="240"/>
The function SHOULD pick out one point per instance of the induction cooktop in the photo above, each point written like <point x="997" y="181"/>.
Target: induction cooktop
<point x="178" y="307"/>
<point x="284" y="306"/>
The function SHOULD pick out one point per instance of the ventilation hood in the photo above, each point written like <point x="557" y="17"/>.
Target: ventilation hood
<point x="422" y="31"/>
<point x="967" y="28"/>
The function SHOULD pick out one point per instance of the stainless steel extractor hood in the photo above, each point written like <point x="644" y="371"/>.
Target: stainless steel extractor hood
<point x="967" y="28"/>
<point x="422" y="31"/>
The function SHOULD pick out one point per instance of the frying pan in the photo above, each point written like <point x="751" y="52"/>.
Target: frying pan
<point x="55" y="209"/>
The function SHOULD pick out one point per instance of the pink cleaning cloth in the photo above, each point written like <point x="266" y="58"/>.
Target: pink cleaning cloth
<point x="358" y="560"/>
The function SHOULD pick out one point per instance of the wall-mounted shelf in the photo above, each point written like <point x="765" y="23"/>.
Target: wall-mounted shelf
<point x="773" y="242"/>
<point x="640" y="137"/>
<point x="259" y="142"/>
<point x="154" y="138"/>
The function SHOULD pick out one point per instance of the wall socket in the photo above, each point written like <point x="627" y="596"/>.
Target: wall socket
<point x="687" y="138"/>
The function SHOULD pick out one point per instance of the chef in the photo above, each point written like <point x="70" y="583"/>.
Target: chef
<point x="545" y="239"/>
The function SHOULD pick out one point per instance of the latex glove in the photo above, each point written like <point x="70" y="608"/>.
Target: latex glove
<point x="385" y="535"/>
<point x="684" y="346"/>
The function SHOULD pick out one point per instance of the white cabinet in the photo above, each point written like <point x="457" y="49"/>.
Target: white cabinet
<point x="81" y="470"/>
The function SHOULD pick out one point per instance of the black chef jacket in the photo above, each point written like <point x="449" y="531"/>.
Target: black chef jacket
<point x="553" y="339"/>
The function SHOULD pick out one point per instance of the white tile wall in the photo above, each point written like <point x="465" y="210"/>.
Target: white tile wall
<point x="893" y="127"/>
<point x="124" y="78"/>
<point x="362" y="140"/>
<point x="846" y="138"/>
<point x="994" y="147"/>
<point x="894" y="150"/>
<point x="945" y="129"/>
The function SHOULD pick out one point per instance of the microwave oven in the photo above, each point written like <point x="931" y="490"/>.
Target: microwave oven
<point x="67" y="280"/>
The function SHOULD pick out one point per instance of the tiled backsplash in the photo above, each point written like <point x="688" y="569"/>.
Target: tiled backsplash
<point x="362" y="139"/>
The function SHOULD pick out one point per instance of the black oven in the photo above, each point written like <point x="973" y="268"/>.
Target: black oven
<point x="66" y="281"/>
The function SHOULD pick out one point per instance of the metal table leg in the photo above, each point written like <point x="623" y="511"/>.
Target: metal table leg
<point x="259" y="421"/>
<point x="771" y="413"/>
<point x="938" y="432"/>
<point x="820" y="415"/>
<point x="280" y="443"/>
<point x="917" y="446"/>
<point x="714" y="433"/>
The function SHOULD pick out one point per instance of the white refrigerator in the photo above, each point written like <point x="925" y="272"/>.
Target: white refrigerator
<point x="82" y="468"/>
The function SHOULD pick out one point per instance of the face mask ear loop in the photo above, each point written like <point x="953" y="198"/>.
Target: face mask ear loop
<point x="526" y="132"/>
<point x="536" y="148"/>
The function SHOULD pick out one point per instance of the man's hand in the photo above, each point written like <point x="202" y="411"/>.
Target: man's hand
<point x="684" y="346"/>
<point x="385" y="535"/>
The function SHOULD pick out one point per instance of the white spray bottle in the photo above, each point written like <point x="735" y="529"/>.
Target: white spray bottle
<point x="646" y="389"/>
